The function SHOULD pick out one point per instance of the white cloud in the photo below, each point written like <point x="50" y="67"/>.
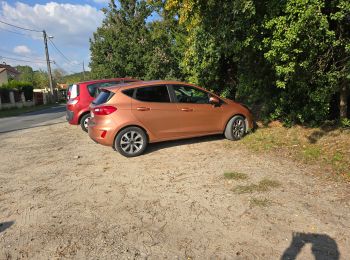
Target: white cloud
<point x="101" y="1"/>
<point x="71" y="25"/>
<point x="68" y="23"/>
<point x="21" y="49"/>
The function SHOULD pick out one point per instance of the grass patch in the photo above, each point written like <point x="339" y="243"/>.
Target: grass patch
<point x="312" y="153"/>
<point x="267" y="184"/>
<point x="262" y="203"/>
<point x="263" y="186"/>
<point x="326" y="146"/>
<point x="235" y="176"/>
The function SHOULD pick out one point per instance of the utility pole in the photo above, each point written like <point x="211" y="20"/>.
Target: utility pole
<point x="48" y="65"/>
<point x="83" y="70"/>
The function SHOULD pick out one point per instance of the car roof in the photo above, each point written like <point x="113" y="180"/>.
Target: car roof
<point x="145" y="83"/>
<point x="105" y="80"/>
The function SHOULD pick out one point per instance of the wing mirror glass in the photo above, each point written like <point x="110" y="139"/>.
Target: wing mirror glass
<point x="214" y="101"/>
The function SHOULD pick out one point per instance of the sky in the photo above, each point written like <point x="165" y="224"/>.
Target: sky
<point x="70" y="22"/>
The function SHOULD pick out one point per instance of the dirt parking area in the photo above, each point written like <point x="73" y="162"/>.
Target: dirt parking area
<point x="63" y="196"/>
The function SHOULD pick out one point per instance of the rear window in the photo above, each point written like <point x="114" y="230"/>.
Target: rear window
<point x="93" y="88"/>
<point x="153" y="94"/>
<point x="73" y="91"/>
<point x="103" y="97"/>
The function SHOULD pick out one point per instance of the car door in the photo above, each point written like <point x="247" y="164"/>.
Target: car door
<point x="152" y="106"/>
<point x="198" y="116"/>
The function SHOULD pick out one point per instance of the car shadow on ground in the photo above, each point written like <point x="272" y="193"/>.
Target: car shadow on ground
<point x="5" y="225"/>
<point x="167" y="144"/>
<point x="323" y="246"/>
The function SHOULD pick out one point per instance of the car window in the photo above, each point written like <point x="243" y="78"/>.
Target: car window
<point x="73" y="91"/>
<point x="129" y="92"/>
<point x="153" y="94"/>
<point x="103" y="97"/>
<point x="93" y="88"/>
<point x="187" y="94"/>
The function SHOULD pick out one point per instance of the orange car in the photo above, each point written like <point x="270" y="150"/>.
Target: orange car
<point x="129" y="116"/>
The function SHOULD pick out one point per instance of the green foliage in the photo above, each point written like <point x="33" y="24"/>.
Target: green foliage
<point x="26" y="73"/>
<point x="345" y="122"/>
<point x="306" y="51"/>
<point x="126" y="45"/>
<point x="41" y="79"/>
<point x="288" y="57"/>
<point x="76" y="77"/>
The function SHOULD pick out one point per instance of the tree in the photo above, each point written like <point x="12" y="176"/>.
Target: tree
<point x="131" y="43"/>
<point x="308" y="47"/>
<point x="26" y="73"/>
<point x="290" y="55"/>
<point x="58" y="75"/>
<point x="165" y="53"/>
<point x="223" y="45"/>
<point x="41" y="79"/>
<point x="120" y="45"/>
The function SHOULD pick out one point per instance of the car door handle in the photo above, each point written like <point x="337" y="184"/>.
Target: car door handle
<point x="143" y="109"/>
<point x="186" y="109"/>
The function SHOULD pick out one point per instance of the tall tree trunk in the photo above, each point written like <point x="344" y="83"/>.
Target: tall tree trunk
<point x="343" y="105"/>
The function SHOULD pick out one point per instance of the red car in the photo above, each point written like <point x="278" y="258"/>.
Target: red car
<point x="81" y="94"/>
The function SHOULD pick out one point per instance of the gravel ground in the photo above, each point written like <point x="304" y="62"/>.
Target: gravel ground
<point x="63" y="196"/>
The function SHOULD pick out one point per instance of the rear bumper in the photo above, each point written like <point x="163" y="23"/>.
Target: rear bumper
<point x="71" y="117"/>
<point x="102" y="134"/>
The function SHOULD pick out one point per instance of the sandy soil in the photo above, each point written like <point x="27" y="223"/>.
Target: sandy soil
<point x="63" y="196"/>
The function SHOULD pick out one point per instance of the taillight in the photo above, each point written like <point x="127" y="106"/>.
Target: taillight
<point x="104" y="110"/>
<point x="72" y="102"/>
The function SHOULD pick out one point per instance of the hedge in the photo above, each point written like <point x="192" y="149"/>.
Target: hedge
<point x="20" y="86"/>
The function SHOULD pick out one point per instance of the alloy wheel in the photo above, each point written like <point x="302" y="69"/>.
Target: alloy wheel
<point x="131" y="142"/>
<point x="238" y="128"/>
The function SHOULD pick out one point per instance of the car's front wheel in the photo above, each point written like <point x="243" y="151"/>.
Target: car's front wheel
<point x="131" y="142"/>
<point x="84" y="122"/>
<point x="235" y="128"/>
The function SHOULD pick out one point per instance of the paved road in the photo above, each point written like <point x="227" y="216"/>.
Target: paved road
<point x="52" y="115"/>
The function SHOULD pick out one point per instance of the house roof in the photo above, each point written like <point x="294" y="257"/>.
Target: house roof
<point x="8" y="68"/>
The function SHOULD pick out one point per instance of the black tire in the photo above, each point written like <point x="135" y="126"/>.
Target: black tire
<point x="235" y="128"/>
<point x="131" y="141"/>
<point x="83" y="121"/>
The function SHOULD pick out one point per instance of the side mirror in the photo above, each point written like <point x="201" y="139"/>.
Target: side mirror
<point x="214" y="101"/>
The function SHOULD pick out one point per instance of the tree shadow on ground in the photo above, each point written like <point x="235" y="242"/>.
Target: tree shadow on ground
<point x="323" y="246"/>
<point x="167" y="144"/>
<point x="316" y="135"/>
<point x="48" y="110"/>
<point x="5" y="225"/>
<point x="30" y="127"/>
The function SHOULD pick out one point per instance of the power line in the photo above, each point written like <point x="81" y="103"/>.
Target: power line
<point x="18" y="33"/>
<point x="31" y="61"/>
<point x="59" y="67"/>
<point x="9" y="52"/>
<point x="64" y="56"/>
<point x="19" y="27"/>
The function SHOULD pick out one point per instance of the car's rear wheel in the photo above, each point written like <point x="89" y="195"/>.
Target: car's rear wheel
<point x="84" y="122"/>
<point x="235" y="128"/>
<point x="131" y="142"/>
